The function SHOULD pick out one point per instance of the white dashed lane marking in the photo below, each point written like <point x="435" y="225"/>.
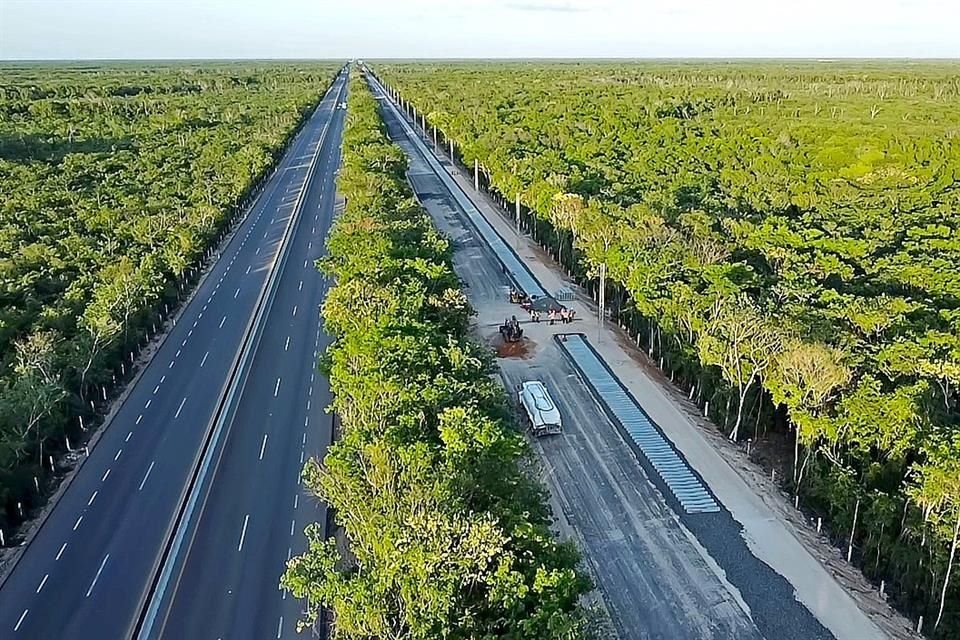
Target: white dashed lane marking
<point x="97" y="577"/>
<point x="146" y="475"/>
<point x="243" y="532"/>
<point x="20" y="621"/>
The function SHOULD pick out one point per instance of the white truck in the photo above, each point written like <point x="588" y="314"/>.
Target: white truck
<point x="542" y="412"/>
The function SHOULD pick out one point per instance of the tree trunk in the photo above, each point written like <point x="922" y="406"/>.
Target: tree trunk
<point x="803" y="469"/>
<point x="853" y="530"/>
<point x="743" y="399"/>
<point x="796" y="452"/>
<point x="946" y="578"/>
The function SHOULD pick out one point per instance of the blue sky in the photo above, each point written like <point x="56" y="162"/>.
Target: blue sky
<point x="83" y="29"/>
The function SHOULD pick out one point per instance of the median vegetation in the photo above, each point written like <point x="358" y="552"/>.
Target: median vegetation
<point x="116" y="182"/>
<point x="446" y="536"/>
<point x="784" y="240"/>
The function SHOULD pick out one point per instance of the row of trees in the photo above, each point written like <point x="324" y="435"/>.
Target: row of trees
<point x="785" y="240"/>
<point x="446" y="534"/>
<point x="116" y="182"/>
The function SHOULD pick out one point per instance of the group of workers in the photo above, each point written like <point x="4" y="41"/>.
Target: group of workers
<point x="554" y="314"/>
<point x="563" y="315"/>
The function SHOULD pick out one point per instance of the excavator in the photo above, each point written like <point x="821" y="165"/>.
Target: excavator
<point x="510" y="330"/>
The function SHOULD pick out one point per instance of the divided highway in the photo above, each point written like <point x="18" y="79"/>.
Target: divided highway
<point x="226" y="584"/>
<point x="90" y="568"/>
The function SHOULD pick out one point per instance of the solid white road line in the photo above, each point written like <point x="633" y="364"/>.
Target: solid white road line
<point x="263" y="446"/>
<point x="243" y="533"/>
<point x="146" y="475"/>
<point x="97" y="577"/>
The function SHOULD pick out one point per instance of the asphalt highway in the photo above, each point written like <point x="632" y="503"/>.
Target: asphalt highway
<point x="87" y="572"/>
<point x="255" y="510"/>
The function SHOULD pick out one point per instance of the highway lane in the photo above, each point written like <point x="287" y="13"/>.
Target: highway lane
<point x="255" y="509"/>
<point x="85" y="572"/>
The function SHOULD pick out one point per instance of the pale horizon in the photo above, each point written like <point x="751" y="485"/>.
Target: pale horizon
<point x="62" y="30"/>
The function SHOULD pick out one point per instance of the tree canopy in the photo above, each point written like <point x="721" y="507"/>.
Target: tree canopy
<point x="447" y="535"/>
<point x="116" y="179"/>
<point x="785" y="236"/>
